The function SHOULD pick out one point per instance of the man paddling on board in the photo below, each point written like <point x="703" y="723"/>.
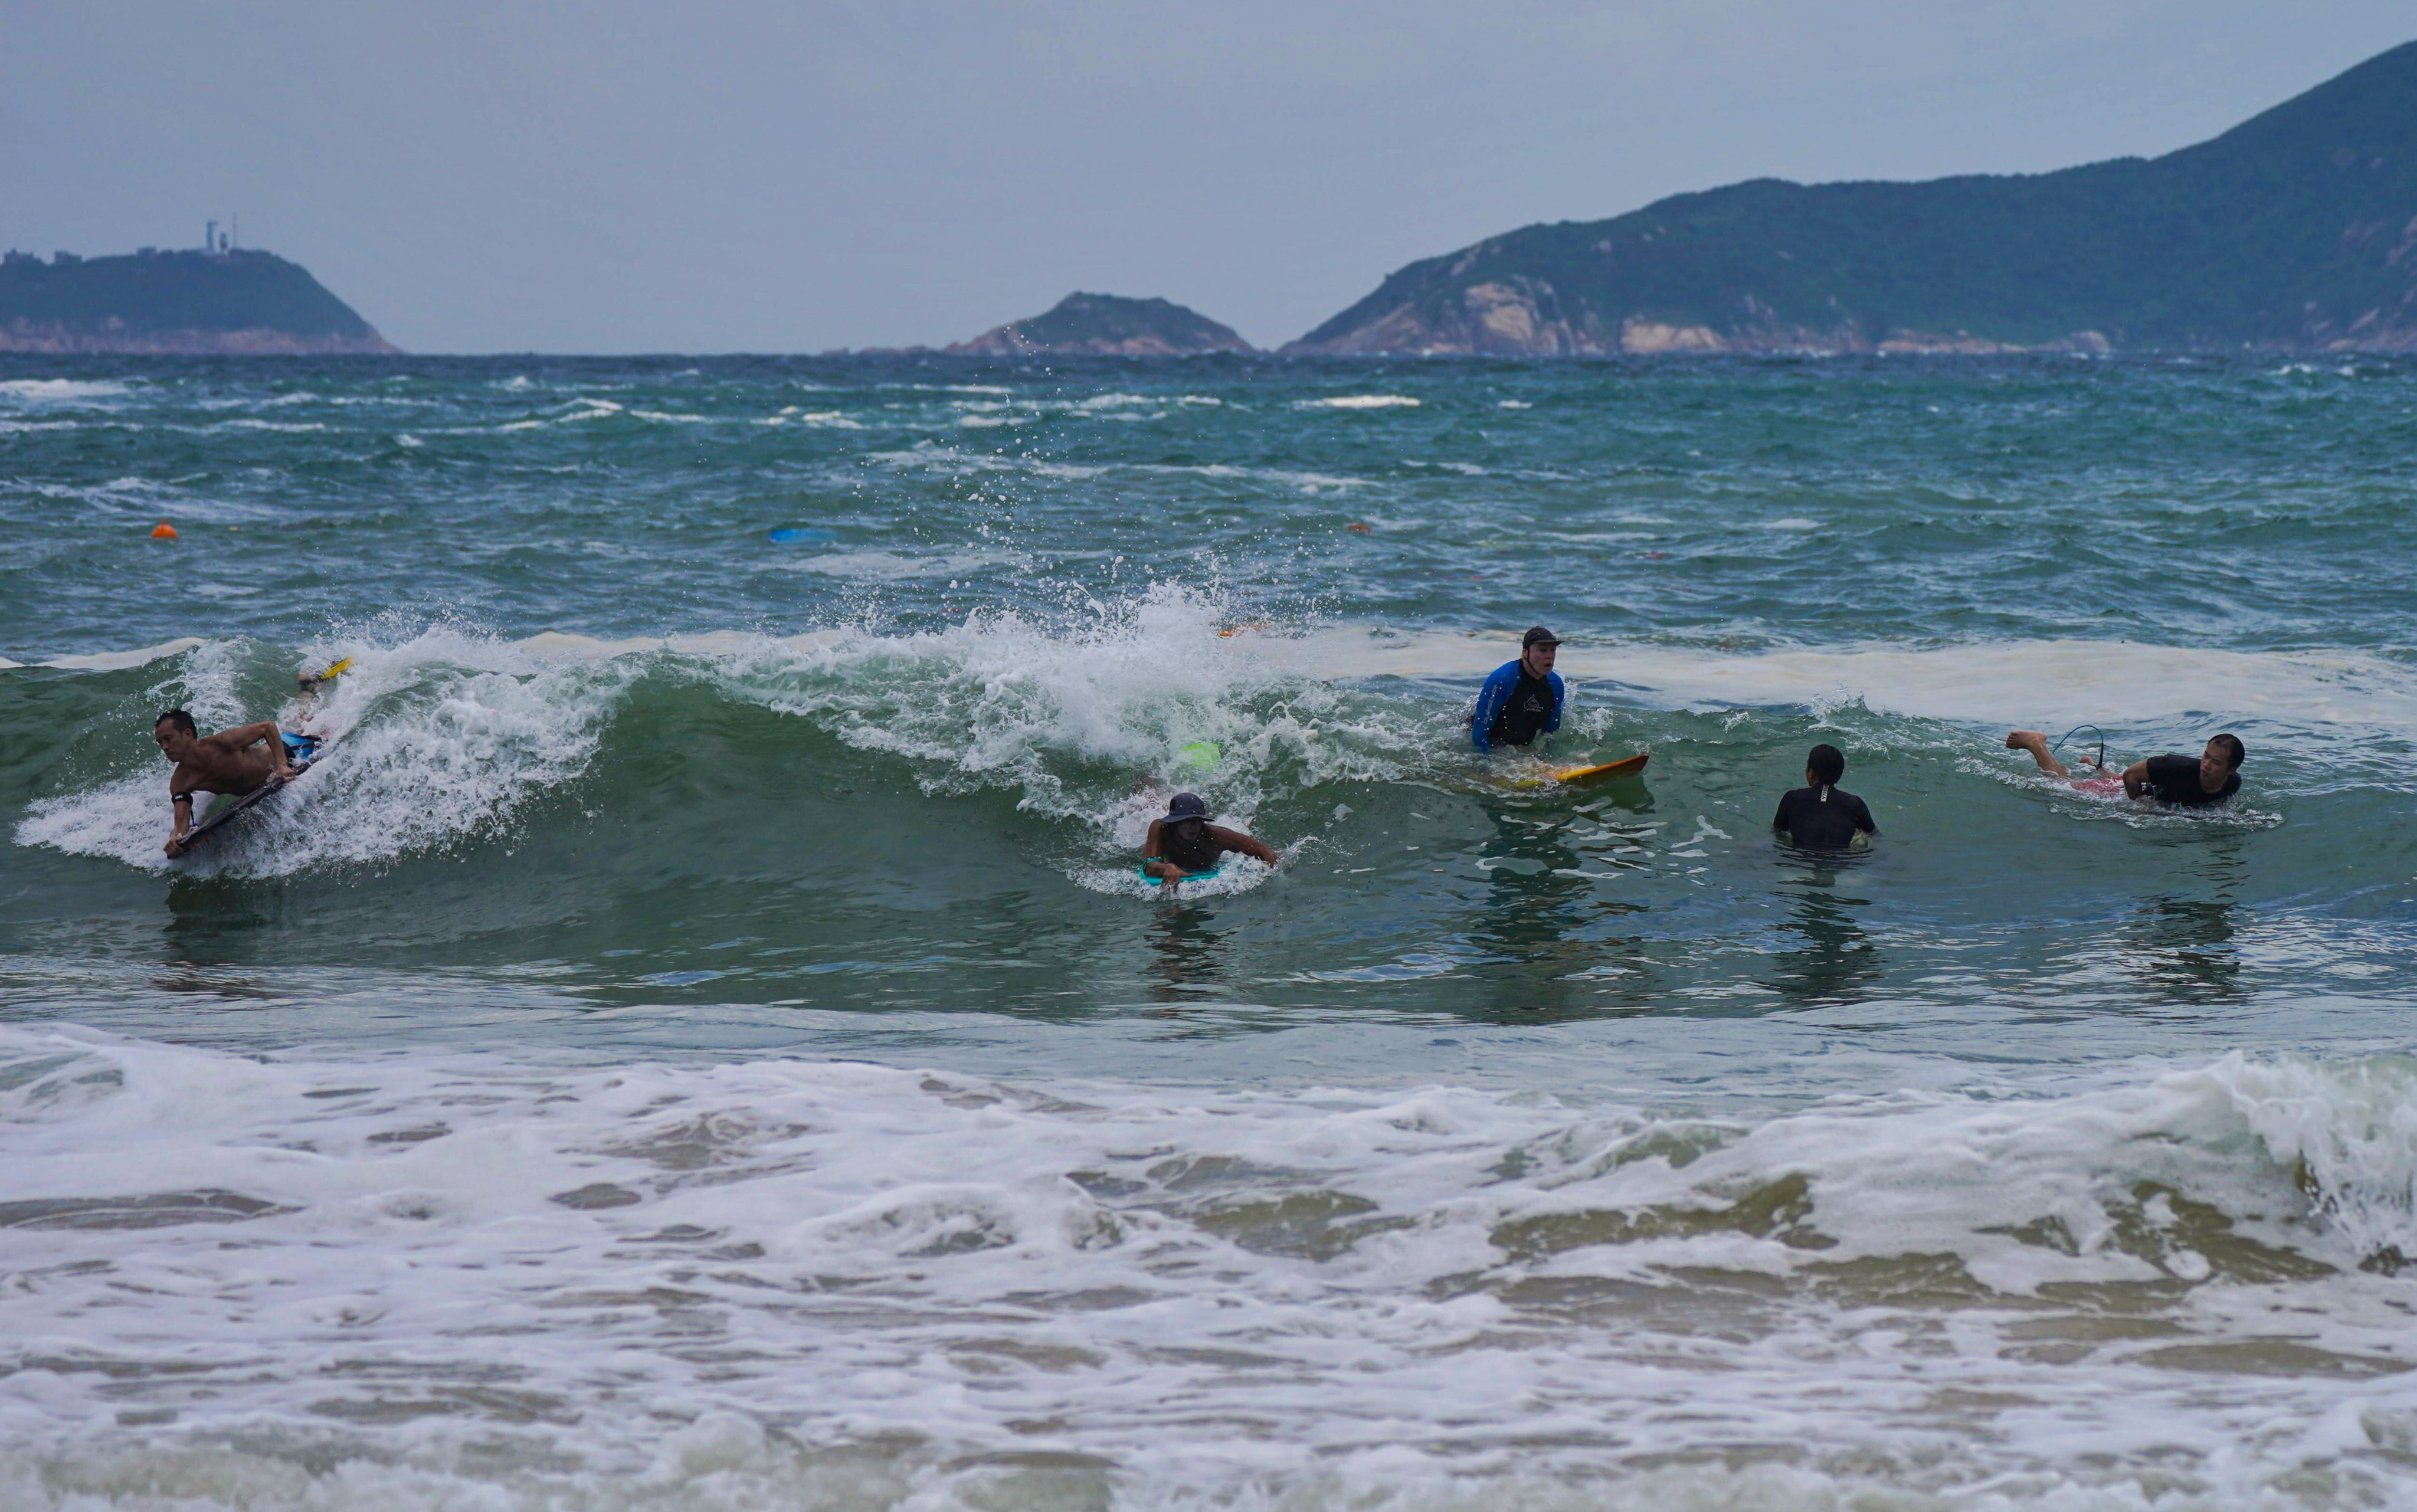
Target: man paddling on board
<point x="2181" y="781"/>
<point x="1523" y="699"/>
<point x="1185" y="844"/>
<point x="233" y="762"/>
<point x="1821" y="815"/>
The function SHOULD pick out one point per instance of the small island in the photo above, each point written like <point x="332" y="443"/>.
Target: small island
<point x="222" y="301"/>
<point x="1107" y="325"/>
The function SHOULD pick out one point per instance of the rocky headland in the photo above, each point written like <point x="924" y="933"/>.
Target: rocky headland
<point x="2295" y="230"/>
<point x="235" y="302"/>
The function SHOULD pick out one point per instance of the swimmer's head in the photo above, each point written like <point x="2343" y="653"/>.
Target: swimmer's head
<point x="1825" y="765"/>
<point x="1186" y="814"/>
<point x="1537" y="650"/>
<point x="2222" y="758"/>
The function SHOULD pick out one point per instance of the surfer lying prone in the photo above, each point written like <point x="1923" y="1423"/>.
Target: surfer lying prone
<point x="234" y="762"/>
<point x="1185" y="844"/>
<point x="2213" y="777"/>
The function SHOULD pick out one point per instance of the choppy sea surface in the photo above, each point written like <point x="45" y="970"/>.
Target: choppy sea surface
<point x="698" y="1039"/>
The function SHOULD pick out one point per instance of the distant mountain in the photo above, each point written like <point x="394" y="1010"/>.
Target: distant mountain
<point x="2297" y="229"/>
<point x="238" y="302"/>
<point x="1106" y="324"/>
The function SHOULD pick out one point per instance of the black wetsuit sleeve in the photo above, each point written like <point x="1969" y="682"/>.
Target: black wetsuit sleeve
<point x="1787" y="811"/>
<point x="2175" y="779"/>
<point x="1863" y="817"/>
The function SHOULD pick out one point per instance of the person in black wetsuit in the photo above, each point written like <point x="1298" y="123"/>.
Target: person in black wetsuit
<point x="1184" y="843"/>
<point x="2214" y="776"/>
<point x="1820" y="815"/>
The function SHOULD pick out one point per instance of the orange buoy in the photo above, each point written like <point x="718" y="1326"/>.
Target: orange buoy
<point x="1360" y="529"/>
<point x="163" y="531"/>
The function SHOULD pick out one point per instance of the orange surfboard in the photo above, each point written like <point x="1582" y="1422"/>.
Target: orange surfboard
<point x="1630" y="766"/>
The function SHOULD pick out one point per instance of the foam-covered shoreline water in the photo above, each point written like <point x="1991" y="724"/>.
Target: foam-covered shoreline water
<point x="698" y="1039"/>
<point x="773" y="1279"/>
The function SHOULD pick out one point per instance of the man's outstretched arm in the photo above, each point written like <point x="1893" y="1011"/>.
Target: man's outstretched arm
<point x="1234" y="840"/>
<point x="244" y="737"/>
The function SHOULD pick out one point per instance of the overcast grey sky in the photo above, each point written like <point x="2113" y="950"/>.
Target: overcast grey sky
<point x="745" y="175"/>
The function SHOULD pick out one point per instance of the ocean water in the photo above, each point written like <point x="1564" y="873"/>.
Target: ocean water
<point x="698" y="1039"/>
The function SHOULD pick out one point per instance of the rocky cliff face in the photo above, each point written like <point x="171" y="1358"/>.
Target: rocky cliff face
<point x="2295" y="230"/>
<point x="239" y="303"/>
<point x="1106" y="324"/>
<point x="1521" y="316"/>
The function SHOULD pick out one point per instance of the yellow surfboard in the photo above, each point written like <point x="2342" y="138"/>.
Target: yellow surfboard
<point x="310" y="681"/>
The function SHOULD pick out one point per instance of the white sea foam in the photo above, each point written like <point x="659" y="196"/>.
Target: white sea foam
<point x="1360" y="401"/>
<point x="59" y="390"/>
<point x="899" y="566"/>
<point x="1306" y="482"/>
<point x="423" y="1281"/>
<point x="1066" y="719"/>
<point x="1987" y="683"/>
<point x="119" y="661"/>
<point x="571" y="412"/>
<point x="253" y="423"/>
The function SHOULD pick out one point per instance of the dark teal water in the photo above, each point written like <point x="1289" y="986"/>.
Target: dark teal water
<point x="2066" y="1094"/>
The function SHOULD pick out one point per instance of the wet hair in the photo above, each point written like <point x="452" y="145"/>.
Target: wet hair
<point x="2231" y="744"/>
<point x="1826" y="764"/>
<point x="179" y="719"/>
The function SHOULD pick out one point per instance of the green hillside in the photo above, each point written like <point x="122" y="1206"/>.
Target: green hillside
<point x="2295" y="229"/>
<point x="179" y="301"/>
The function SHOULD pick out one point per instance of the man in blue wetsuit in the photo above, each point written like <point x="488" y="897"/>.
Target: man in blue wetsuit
<point x="1523" y="699"/>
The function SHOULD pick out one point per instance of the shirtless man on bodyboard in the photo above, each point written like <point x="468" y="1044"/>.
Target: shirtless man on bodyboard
<point x="241" y="761"/>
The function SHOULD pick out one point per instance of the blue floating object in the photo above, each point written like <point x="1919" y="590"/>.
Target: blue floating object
<point x="793" y="534"/>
